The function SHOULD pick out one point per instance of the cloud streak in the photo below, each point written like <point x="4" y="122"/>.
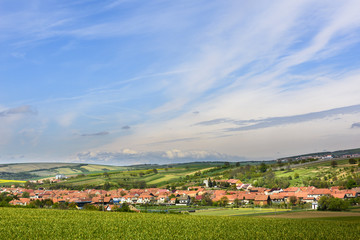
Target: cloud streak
<point x="97" y="134"/>
<point x="253" y="124"/>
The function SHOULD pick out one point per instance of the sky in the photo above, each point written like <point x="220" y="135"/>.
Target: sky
<point x="130" y="82"/>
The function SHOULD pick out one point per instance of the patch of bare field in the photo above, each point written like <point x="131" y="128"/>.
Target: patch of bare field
<point x="314" y="214"/>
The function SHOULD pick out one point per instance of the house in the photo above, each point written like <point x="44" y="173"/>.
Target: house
<point x="277" y="198"/>
<point x="309" y="200"/>
<point x="249" y="198"/>
<point x="292" y="189"/>
<point x="262" y="200"/>
<point x="339" y="195"/>
<point x="162" y="199"/>
<point x="184" y="200"/>
<point x="110" y="207"/>
<point x="319" y="192"/>
<point x="21" y="201"/>
<point x="243" y="186"/>
<point x="144" y="198"/>
<point x="357" y="191"/>
<point x="172" y="201"/>
<point x="126" y="199"/>
<point x="101" y="200"/>
<point x="108" y="200"/>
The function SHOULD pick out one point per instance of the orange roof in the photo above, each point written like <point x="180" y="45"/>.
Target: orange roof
<point x="261" y="197"/>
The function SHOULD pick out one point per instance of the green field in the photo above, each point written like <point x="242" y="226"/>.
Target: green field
<point x="236" y="211"/>
<point x="163" y="176"/>
<point x="19" y="223"/>
<point x="42" y="170"/>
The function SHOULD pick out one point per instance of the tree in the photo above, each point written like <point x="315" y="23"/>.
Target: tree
<point x="237" y="164"/>
<point x="223" y="201"/>
<point x="25" y="195"/>
<point x="350" y="183"/>
<point x="332" y="204"/>
<point x="333" y="163"/>
<point x="206" y="200"/>
<point x="296" y="175"/>
<point x="263" y="167"/>
<point x="107" y="186"/>
<point x="90" y="207"/>
<point x="155" y="170"/>
<point x="72" y="206"/>
<point x="337" y="204"/>
<point x="352" y="161"/>
<point x="214" y="184"/>
<point x="210" y="184"/>
<point x="226" y="164"/>
<point x="293" y="200"/>
<point x="237" y="202"/>
<point x="124" y="208"/>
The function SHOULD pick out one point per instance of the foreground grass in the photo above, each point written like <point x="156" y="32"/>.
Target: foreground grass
<point x="317" y="214"/>
<point x="16" y="223"/>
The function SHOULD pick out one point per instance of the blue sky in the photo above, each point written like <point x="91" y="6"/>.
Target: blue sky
<point x="128" y="82"/>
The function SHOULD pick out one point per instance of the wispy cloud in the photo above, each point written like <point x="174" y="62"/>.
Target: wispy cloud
<point x="104" y="133"/>
<point x="18" y="111"/>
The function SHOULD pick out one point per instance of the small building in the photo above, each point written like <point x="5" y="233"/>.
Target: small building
<point x="314" y="205"/>
<point x="60" y="176"/>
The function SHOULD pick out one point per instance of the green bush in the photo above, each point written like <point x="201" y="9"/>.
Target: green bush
<point x="332" y="204"/>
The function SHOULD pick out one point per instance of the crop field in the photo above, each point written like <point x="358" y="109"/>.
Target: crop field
<point x="10" y="181"/>
<point x="19" y="223"/>
<point x="236" y="211"/>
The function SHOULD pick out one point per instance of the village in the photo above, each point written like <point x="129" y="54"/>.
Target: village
<point x="240" y="195"/>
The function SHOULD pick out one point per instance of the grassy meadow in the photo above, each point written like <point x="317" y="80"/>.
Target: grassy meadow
<point x="236" y="211"/>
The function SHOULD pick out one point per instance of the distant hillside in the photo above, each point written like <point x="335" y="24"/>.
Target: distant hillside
<point x="27" y="171"/>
